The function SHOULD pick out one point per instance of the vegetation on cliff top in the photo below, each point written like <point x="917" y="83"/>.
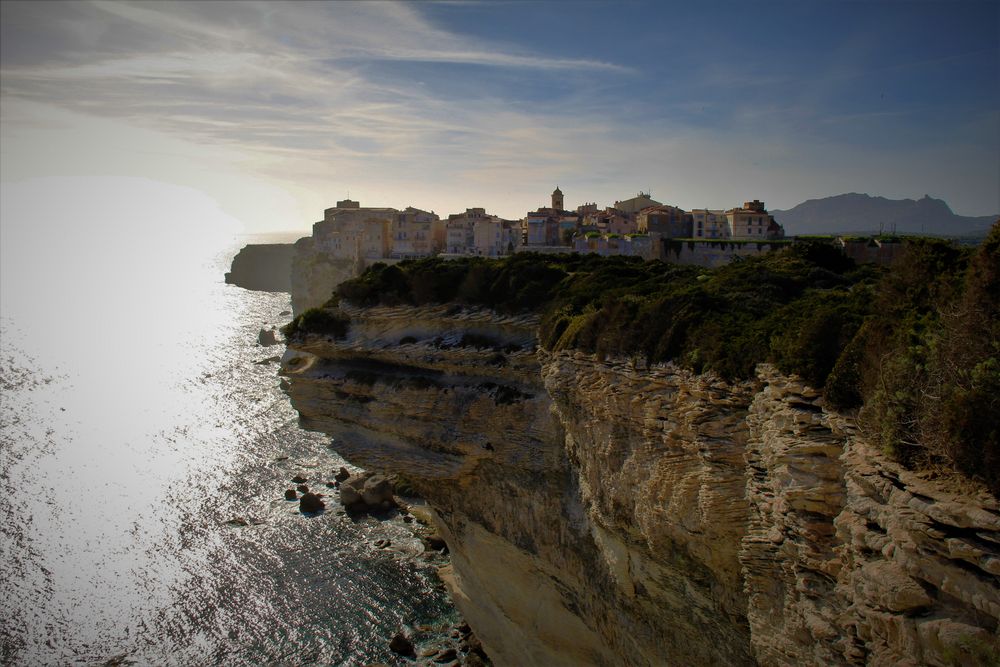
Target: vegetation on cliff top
<point x="318" y="320"/>
<point x="915" y="346"/>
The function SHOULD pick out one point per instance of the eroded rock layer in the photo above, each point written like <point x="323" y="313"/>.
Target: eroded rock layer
<point x="605" y="513"/>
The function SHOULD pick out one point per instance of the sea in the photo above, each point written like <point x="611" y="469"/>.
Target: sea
<point x="145" y="447"/>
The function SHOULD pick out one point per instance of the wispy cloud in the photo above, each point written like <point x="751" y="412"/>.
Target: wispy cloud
<point x="265" y="77"/>
<point x="379" y="94"/>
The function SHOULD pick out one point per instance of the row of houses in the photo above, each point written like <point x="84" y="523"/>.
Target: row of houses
<point x="350" y="231"/>
<point x="642" y="214"/>
<point x="635" y="226"/>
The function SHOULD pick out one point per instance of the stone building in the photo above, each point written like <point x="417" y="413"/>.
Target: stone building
<point x="350" y="231"/>
<point x="417" y="233"/>
<point x="542" y="227"/>
<point x="753" y="222"/>
<point x="668" y="221"/>
<point x="709" y="224"/>
<point x="460" y="238"/>
<point x="609" y="221"/>
<point x="557" y="199"/>
<point x="493" y="237"/>
<point x="631" y="207"/>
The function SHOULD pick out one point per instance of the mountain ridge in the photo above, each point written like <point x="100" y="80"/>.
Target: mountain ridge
<point x="861" y="212"/>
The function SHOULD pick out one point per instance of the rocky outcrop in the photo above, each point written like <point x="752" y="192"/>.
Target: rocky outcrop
<point x="606" y="513"/>
<point x="367" y="492"/>
<point x="852" y="560"/>
<point x="266" y="267"/>
<point x="314" y="275"/>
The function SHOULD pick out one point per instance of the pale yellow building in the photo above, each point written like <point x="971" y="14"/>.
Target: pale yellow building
<point x="417" y="233"/>
<point x="493" y="237"/>
<point x="753" y="222"/>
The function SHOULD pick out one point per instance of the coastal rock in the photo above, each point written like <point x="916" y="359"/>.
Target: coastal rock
<point x="435" y="542"/>
<point x="299" y="479"/>
<point x="265" y="267"/>
<point x="366" y="492"/>
<point x="342" y="474"/>
<point x="402" y="645"/>
<point x="290" y="494"/>
<point x="310" y="502"/>
<point x="446" y="656"/>
<point x="267" y="337"/>
<point x="645" y="515"/>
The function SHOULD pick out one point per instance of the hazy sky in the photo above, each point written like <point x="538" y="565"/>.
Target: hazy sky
<point x="271" y="111"/>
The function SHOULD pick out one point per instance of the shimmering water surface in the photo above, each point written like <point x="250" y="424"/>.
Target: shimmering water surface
<point x="139" y="417"/>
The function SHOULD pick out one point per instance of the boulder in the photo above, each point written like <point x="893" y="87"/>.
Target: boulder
<point x="290" y="494"/>
<point x="366" y="492"/>
<point x="446" y="655"/>
<point x="342" y="474"/>
<point x="310" y="502"/>
<point x="435" y="542"/>
<point x="402" y="645"/>
<point x="302" y="488"/>
<point x="299" y="479"/>
<point x="349" y="496"/>
<point x="267" y="337"/>
<point x="377" y="489"/>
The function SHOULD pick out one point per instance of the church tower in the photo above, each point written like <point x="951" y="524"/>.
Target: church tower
<point x="557" y="199"/>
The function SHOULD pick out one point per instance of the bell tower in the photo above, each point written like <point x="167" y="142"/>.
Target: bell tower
<point x="557" y="199"/>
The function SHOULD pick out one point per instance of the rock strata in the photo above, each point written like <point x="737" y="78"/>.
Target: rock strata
<point x="603" y="512"/>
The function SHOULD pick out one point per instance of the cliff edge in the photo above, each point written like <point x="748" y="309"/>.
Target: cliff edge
<point x="265" y="267"/>
<point x="603" y="512"/>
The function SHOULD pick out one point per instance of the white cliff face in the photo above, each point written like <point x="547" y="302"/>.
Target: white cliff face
<point x="600" y="512"/>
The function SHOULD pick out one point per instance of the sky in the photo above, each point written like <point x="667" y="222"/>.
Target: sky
<point x="256" y="116"/>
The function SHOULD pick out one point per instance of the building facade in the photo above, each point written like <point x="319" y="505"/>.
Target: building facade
<point x="668" y="221"/>
<point x="709" y="224"/>
<point x="493" y="237"/>
<point x="350" y="231"/>
<point x="417" y="233"/>
<point x="753" y="222"/>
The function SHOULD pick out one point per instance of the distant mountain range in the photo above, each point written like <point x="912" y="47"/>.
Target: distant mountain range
<point x="863" y="213"/>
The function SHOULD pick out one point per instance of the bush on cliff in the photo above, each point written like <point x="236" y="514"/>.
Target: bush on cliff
<point x="916" y="346"/>
<point x="930" y="368"/>
<point x="795" y="306"/>
<point x="318" y="321"/>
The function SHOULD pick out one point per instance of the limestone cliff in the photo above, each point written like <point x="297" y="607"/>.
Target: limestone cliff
<point x="605" y="513"/>
<point x="263" y="266"/>
<point x="315" y="274"/>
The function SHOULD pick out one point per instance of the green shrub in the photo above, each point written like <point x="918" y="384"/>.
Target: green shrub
<point x="318" y="321"/>
<point x="915" y="346"/>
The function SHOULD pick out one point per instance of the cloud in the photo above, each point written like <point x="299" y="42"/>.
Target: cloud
<point x="265" y="78"/>
<point x="324" y="96"/>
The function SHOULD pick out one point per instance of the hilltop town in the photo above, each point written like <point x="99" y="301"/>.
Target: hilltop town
<point x="352" y="237"/>
<point x="639" y="226"/>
